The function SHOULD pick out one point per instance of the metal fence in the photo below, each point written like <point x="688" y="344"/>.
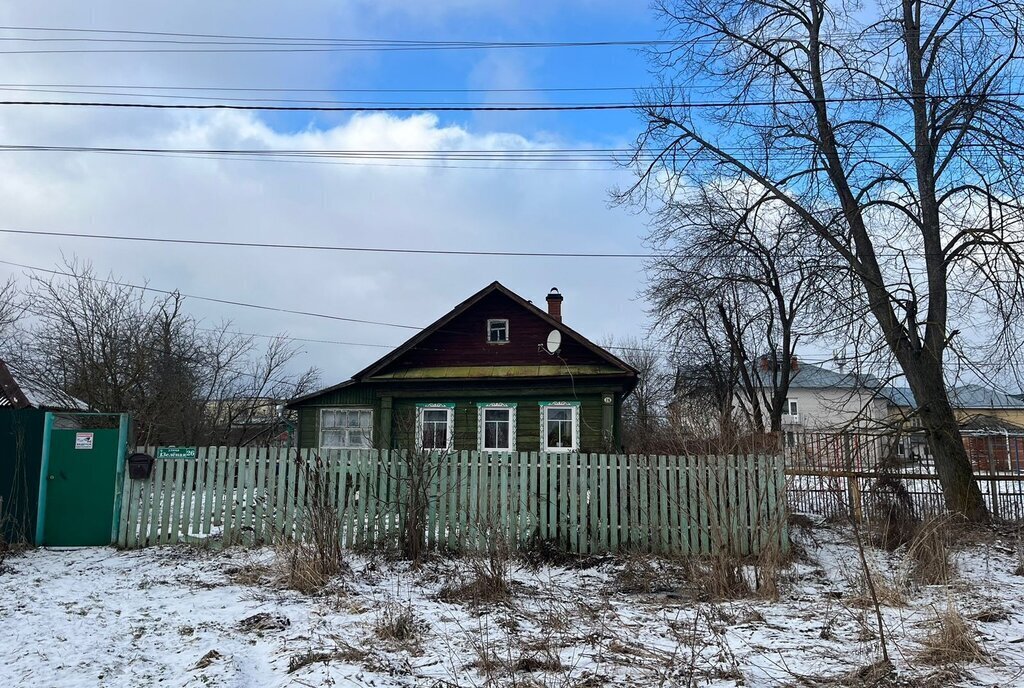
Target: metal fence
<point x="836" y="474"/>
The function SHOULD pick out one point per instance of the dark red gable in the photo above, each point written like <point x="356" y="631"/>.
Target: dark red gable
<point x="463" y="341"/>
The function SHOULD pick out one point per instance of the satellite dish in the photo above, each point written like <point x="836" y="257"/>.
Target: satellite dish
<point x="554" y="341"/>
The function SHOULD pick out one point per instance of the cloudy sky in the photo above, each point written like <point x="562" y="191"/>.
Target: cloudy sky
<point x="405" y="204"/>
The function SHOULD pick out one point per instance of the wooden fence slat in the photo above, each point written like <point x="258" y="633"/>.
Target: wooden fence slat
<point x="525" y="499"/>
<point x="553" y="488"/>
<point x="703" y="504"/>
<point x="209" y="471"/>
<point x="371" y="473"/>
<point x="588" y="503"/>
<point x="157" y="485"/>
<point x="259" y="491"/>
<point x="448" y="534"/>
<point x="617" y="486"/>
<point x="594" y="524"/>
<point x="188" y="499"/>
<point x="127" y="499"/>
<point x="196" y="519"/>
<point x="664" y="534"/>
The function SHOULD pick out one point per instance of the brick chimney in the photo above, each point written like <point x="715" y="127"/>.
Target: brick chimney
<point x="555" y="304"/>
<point x="794" y="363"/>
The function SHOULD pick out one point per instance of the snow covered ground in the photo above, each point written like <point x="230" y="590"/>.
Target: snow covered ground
<point x="184" y="617"/>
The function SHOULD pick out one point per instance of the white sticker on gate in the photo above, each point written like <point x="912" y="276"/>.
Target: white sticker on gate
<point x="83" y="440"/>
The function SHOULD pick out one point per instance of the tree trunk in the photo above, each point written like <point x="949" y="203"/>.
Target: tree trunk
<point x="961" y="491"/>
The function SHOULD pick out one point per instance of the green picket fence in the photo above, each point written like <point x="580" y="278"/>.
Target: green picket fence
<point x="583" y="503"/>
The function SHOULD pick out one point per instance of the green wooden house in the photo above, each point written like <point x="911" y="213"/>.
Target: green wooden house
<point x="496" y="373"/>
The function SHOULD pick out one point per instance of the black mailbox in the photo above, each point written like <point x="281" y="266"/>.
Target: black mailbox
<point x="140" y="466"/>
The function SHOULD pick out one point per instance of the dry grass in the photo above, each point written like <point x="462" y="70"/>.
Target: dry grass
<point x="344" y="653"/>
<point x="929" y="553"/>
<point x="722" y="578"/>
<point x="950" y="640"/>
<point x="397" y="623"/>
<point x="646" y="575"/>
<point x="892" y="513"/>
<point x="487" y="581"/>
<point x="310" y="560"/>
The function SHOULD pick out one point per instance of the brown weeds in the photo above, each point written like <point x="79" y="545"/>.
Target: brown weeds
<point x="950" y="640"/>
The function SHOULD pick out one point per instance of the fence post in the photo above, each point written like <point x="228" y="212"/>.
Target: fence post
<point x="993" y="484"/>
<point x="852" y="481"/>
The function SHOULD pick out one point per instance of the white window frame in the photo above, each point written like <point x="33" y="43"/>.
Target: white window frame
<point x="574" y="407"/>
<point x="481" y="411"/>
<point x="450" y="425"/>
<point x="792" y="407"/>
<point x="508" y="334"/>
<point x="354" y="409"/>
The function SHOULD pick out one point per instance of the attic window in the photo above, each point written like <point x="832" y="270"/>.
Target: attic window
<point x="497" y="331"/>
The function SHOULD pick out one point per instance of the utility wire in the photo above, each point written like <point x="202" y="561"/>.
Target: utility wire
<point x="402" y="250"/>
<point x="844" y="359"/>
<point x="214" y="300"/>
<point x="141" y="87"/>
<point x="529" y="107"/>
<point x="312" y="247"/>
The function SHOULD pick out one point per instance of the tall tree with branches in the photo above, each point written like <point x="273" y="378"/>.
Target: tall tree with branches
<point x="894" y="129"/>
<point x="752" y="276"/>
<point x="106" y="343"/>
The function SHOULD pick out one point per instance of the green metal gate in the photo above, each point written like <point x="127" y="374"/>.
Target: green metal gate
<point x="81" y="473"/>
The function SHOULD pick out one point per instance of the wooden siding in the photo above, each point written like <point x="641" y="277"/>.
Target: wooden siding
<point x="527" y="419"/>
<point x="405" y="397"/>
<point x="353" y="396"/>
<point x="463" y="341"/>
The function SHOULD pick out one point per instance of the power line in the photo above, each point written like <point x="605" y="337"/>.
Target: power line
<point x="300" y="43"/>
<point x="334" y="108"/>
<point x="141" y="87"/>
<point x="388" y="346"/>
<point x="525" y="107"/>
<point x="312" y="247"/>
<point x="213" y="299"/>
<point x="403" y="250"/>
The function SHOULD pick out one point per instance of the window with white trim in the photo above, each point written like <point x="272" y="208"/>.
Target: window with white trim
<point x="346" y="428"/>
<point x="497" y="331"/>
<point x="435" y="426"/>
<point x="794" y="409"/>
<point x="560" y="426"/>
<point x="496" y="425"/>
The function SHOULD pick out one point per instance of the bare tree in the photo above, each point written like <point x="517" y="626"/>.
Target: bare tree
<point x="12" y="306"/>
<point x="104" y="342"/>
<point x="704" y="404"/>
<point x="645" y="424"/>
<point x="894" y="131"/>
<point x="751" y="276"/>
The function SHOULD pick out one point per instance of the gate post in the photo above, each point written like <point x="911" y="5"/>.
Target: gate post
<point x="44" y="470"/>
<point x="993" y="484"/>
<point x="852" y="482"/>
<point x="122" y="450"/>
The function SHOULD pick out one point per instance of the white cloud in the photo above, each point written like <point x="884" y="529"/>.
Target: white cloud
<point x="348" y="204"/>
<point x="357" y="205"/>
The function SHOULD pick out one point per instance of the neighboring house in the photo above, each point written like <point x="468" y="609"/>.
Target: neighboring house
<point x="240" y="421"/>
<point x="822" y="399"/>
<point x="970" y="401"/>
<point x="494" y="374"/>
<point x="991" y="423"/>
<point x="19" y="391"/>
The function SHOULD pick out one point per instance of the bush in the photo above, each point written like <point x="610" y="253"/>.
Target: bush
<point x="950" y="640"/>
<point x="313" y="555"/>
<point x="892" y="513"/>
